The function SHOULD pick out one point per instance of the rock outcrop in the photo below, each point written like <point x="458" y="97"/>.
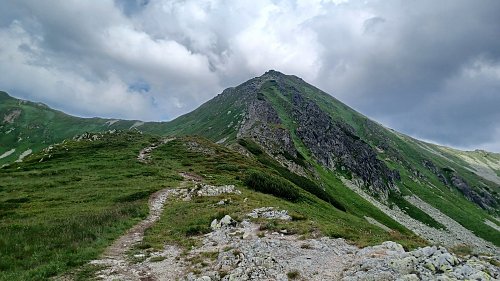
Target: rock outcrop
<point x="336" y="146"/>
<point x="390" y="261"/>
<point x="263" y="125"/>
<point x="451" y="178"/>
<point x="270" y="213"/>
<point x="482" y="198"/>
<point x="241" y="252"/>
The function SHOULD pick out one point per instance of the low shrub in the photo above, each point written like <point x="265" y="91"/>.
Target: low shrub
<point x="310" y="186"/>
<point x="270" y="184"/>
<point x="250" y="146"/>
<point x="294" y="274"/>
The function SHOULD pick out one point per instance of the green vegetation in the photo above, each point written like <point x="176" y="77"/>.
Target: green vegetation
<point x="60" y="213"/>
<point x="300" y="181"/>
<point x="251" y="146"/>
<point x="310" y="214"/>
<point x="269" y="184"/>
<point x="413" y="211"/>
<point x="402" y="153"/>
<point x="294" y="274"/>
<point x="35" y="126"/>
<point x="63" y="207"/>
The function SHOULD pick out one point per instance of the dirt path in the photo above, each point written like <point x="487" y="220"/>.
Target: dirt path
<point x="145" y="153"/>
<point x="115" y="259"/>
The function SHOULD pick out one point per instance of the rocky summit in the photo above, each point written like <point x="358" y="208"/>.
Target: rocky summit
<point x="272" y="179"/>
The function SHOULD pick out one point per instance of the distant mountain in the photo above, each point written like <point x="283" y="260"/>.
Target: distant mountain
<point x="27" y="126"/>
<point x="312" y="135"/>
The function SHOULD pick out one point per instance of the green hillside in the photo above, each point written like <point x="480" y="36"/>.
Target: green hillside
<point x="26" y="125"/>
<point x="60" y="213"/>
<point x="281" y="141"/>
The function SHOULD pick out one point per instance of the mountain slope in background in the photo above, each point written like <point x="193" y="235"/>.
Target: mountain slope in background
<point x="277" y="118"/>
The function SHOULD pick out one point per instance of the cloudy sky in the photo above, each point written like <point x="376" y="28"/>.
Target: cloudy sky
<point x="427" y="68"/>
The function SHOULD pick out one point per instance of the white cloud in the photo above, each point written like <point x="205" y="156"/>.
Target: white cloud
<point x="390" y="59"/>
<point x="20" y="71"/>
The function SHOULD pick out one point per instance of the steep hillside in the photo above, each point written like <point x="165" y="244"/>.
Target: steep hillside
<point x="315" y="135"/>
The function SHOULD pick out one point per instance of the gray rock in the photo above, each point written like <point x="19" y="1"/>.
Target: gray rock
<point x="269" y="213"/>
<point x="211" y="190"/>
<point x="481" y="276"/>
<point x="335" y="145"/>
<point x="408" y="277"/>
<point x="214" y="225"/>
<point x="393" y="246"/>
<point x="227" y="221"/>
<point x="405" y="265"/>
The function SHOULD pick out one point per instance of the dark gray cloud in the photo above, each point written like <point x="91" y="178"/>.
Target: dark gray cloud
<point x="427" y="68"/>
<point x="430" y="69"/>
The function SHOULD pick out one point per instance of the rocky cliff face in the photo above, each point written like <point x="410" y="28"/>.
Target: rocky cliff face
<point x="336" y="146"/>
<point x="333" y="144"/>
<point x="482" y="198"/>
<point x="451" y="178"/>
<point x="262" y="124"/>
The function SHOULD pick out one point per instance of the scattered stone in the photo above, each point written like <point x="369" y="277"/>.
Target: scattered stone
<point x="269" y="213"/>
<point x="136" y="124"/>
<point x="10" y="117"/>
<point x="389" y="262"/>
<point x="211" y="190"/>
<point x="145" y="153"/>
<point x="251" y="257"/>
<point x="238" y="252"/>
<point x="454" y="234"/>
<point x="7" y="153"/>
<point x="23" y="155"/>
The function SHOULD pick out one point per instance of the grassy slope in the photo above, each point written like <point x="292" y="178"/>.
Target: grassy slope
<point x="318" y="215"/>
<point x="39" y="126"/>
<point x="58" y="214"/>
<point x="335" y="186"/>
<point x="182" y="219"/>
<point x="450" y="202"/>
<point x="215" y="119"/>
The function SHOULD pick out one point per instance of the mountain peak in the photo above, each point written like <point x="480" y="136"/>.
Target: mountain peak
<point x="272" y="74"/>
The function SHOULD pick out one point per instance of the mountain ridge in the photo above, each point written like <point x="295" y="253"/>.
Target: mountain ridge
<point x="303" y="128"/>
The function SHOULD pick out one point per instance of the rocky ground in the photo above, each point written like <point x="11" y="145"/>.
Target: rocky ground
<point x="454" y="235"/>
<point x="242" y="251"/>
